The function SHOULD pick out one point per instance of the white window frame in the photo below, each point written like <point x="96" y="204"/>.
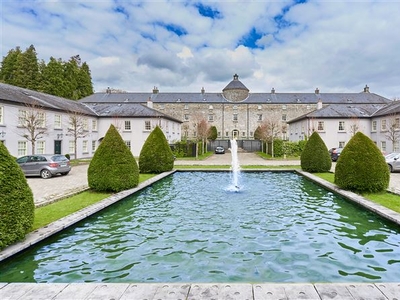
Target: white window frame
<point x="85" y="124"/>
<point x="94" y="125"/>
<point x="321" y="126"/>
<point x="147" y="125"/>
<point x="1" y="114"/>
<point x="40" y="147"/>
<point x="128" y="144"/>
<point x="22" y="148"/>
<point x="235" y="117"/>
<point x="94" y="145"/>
<point x="342" y="126"/>
<point x="41" y="117"/>
<point x="374" y="125"/>
<point x="85" y="146"/>
<point x="210" y="117"/>
<point x="383" y="146"/>
<point x="22" y="118"/>
<point x="383" y="125"/>
<point x="71" y="147"/>
<point x="127" y="125"/>
<point x="57" y="121"/>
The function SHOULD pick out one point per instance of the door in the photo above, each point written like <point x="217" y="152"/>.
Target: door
<point x="235" y="134"/>
<point x="57" y="147"/>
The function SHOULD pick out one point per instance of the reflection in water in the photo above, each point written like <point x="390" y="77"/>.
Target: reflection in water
<point x="187" y="228"/>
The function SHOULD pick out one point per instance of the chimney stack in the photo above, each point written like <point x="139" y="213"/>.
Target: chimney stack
<point x="366" y="89"/>
<point x="155" y="90"/>
<point x="317" y="91"/>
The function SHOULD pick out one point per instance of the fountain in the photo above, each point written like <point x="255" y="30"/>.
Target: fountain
<point x="235" y="168"/>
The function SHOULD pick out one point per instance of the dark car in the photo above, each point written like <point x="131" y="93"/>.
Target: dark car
<point x="335" y="153"/>
<point x="219" y="150"/>
<point x="44" y="165"/>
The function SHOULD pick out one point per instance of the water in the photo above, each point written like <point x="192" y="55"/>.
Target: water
<point x="188" y="228"/>
<point x="235" y="168"/>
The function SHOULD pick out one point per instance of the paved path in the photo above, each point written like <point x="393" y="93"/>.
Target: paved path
<point x="48" y="190"/>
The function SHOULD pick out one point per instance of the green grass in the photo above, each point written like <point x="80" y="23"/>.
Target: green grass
<point x="47" y="214"/>
<point x="386" y="199"/>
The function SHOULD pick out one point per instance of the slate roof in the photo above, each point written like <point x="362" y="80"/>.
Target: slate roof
<point x="235" y="84"/>
<point x="253" y="98"/>
<point x="16" y="95"/>
<point x="391" y="109"/>
<point x="342" y="111"/>
<point x="132" y="110"/>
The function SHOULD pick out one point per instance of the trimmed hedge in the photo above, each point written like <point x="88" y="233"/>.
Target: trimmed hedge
<point x="361" y="167"/>
<point x="113" y="168"/>
<point x="17" y="207"/>
<point x="315" y="157"/>
<point x="156" y="155"/>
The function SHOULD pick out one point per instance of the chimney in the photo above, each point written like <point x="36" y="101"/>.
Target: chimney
<point x="273" y="91"/>
<point x="108" y="90"/>
<point x="317" y="91"/>
<point x="319" y="104"/>
<point x="149" y="103"/>
<point x="203" y="90"/>
<point x="155" y="90"/>
<point x="366" y="89"/>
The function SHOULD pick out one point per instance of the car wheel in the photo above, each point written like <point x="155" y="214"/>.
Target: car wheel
<point x="64" y="173"/>
<point x="390" y="168"/>
<point x="45" y="174"/>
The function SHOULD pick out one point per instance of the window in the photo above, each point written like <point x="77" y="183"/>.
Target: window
<point x="396" y="146"/>
<point x="21" y="117"/>
<point x="383" y="125"/>
<point x="85" y="148"/>
<point x="127" y="126"/>
<point x="226" y="133"/>
<point x="341" y="126"/>
<point x="57" y="121"/>
<point x="40" y="147"/>
<point x="186" y="106"/>
<point x="147" y="125"/>
<point x="383" y="146"/>
<point x="41" y="118"/>
<point x="259" y="117"/>
<point x="210" y="107"/>
<point x="341" y="144"/>
<point x="85" y="124"/>
<point x="374" y="125"/>
<point x="320" y="126"/>
<point x="251" y="133"/>
<point x="243" y="134"/>
<point x="259" y="107"/>
<point x="94" y="125"/>
<point x="1" y="114"/>
<point x="22" y="148"/>
<point x="397" y="123"/>
<point x="284" y="117"/>
<point x="128" y="144"/>
<point x="93" y="146"/>
<point x="219" y="134"/>
<point x="235" y="117"/>
<point x="211" y="118"/>
<point x="186" y="117"/>
<point x="284" y="107"/>
<point x="71" y="147"/>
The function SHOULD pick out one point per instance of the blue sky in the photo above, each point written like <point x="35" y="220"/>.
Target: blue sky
<point x="292" y="46"/>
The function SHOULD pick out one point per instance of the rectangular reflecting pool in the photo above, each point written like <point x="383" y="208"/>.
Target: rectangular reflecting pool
<point x="194" y="227"/>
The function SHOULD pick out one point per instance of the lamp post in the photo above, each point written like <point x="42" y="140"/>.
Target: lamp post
<point x="60" y="136"/>
<point x="3" y="134"/>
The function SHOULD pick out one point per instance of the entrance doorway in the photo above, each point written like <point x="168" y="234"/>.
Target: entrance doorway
<point x="235" y="134"/>
<point x="57" y="147"/>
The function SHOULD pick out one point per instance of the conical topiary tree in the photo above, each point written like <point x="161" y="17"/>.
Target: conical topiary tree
<point x="156" y="155"/>
<point x="361" y="167"/>
<point x="113" y="168"/>
<point x="17" y="207"/>
<point x="315" y="156"/>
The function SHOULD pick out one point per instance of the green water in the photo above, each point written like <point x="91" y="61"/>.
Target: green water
<point x="190" y="228"/>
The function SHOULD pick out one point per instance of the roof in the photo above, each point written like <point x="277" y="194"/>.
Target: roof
<point x="342" y="111"/>
<point x="22" y="96"/>
<point x="132" y="110"/>
<point x="235" y="84"/>
<point x="253" y="98"/>
<point x="391" y="109"/>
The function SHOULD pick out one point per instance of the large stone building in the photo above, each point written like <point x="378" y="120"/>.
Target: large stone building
<point x="236" y="112"/>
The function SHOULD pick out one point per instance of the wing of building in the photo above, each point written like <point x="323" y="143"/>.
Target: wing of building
<point x="235" y="111"/>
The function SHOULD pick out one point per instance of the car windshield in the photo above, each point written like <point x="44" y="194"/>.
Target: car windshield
<point x="391" y="155"/>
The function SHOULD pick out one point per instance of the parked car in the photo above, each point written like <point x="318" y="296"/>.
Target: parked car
<point x="393" y="161"/>
<point x="44" y="165"/>
<point x="335" y="153"/>
<point x="219" y="150"/>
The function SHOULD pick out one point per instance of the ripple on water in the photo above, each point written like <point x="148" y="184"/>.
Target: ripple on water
<point x="188" y="227"/>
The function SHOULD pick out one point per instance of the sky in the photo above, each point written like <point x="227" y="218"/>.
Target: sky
<point x="183" y="46"/>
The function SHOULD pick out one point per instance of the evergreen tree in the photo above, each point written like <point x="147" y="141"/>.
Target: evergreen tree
<point x="213" y="133"/>
<point x="315" y="156"/>
<point x="16" y="201"/>
<point x="156" y="155"/>
<point x="361" y="167"/>
<point x="113" y="168"/>
<point x="53" y="81"/>
<point x="9" y="66"/>
<point x="85" y="86"/>
<point x="27" y="69"/>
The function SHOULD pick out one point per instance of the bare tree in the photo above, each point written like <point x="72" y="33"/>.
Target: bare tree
<point x="77" y="128"/>
<point x="393" y="129"/>
<point x="273" y="128"/>
<point x="203" y="129"/>
<point x="33" y="120"/>
<point x="354" y="125"/>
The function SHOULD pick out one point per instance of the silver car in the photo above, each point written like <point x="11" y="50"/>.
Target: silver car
<point x="393" y="161"/>
<point x="44" y="165"/>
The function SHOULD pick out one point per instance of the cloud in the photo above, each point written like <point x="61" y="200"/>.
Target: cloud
<point x="337" y="46"/>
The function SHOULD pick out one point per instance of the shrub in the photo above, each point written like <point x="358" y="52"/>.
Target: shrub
<point x="17" y="206"/>
<point x="315" y="156"/>
<point x="361" y="167"/>
<point x="67" y="156"/>
<point x="156" y="156"/>
<point x="113" y="168"/>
